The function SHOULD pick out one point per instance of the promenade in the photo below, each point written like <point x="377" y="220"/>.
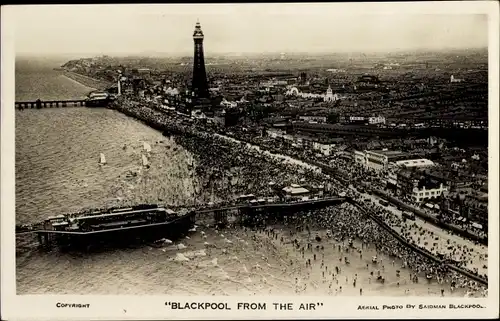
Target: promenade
<point x="439" y="241"/>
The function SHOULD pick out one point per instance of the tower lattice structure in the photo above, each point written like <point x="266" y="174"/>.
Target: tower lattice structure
<point x="200" y="84"/>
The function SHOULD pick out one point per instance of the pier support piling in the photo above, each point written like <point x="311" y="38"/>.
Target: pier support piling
<point x="39" y="104"/>
<point x="220" y="217"/>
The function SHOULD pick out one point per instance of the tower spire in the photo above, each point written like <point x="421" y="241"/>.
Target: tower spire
<point x="198" y="33"/>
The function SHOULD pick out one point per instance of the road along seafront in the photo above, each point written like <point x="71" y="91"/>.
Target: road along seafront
<point x="177" y="124"/>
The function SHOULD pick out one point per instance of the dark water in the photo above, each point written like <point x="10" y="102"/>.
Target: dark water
<point x="57" y="171"/>
<point x="36" y="78"/>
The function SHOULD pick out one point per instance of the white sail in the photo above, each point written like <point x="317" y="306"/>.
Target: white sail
<point x="102" y="159"/>
<point x="147" y="147"/>
<point x="145" y="161"/>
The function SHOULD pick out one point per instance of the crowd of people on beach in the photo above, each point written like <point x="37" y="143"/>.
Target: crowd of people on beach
<point x="362" y="175"/>
<point x="354" y="235"/>
<point x="235" y="168"/>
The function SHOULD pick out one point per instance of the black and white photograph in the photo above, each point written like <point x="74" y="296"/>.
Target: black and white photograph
<point x="251" y="150"/>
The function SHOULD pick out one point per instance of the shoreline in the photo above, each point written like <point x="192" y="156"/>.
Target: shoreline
<point x="79" y="83"/>
<point x="86" y="81"/>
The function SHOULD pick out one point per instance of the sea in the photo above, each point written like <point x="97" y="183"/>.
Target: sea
<point x="57" y="171"/>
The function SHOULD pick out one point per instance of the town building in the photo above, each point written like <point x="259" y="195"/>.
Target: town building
<point x="380" y="159"/>
<point x="455" y="80"/>
<point x="275" y="133"/>
<point x="228" y="104"/>
<point x="323" y="149"/>
<point x="375" y="120"/>
<point x="360" y="157"/>
<point x="354" y="119"/>
<point x="419" y="187"/>
<point x="410" y="163"/>
<point x="171" y="91"/>
<point x="395" y="167"/>
<point x="303" y="78"/>
<point x="295" y="191"/>
<point x="329" y="96"/>
<point x="313" y="118"/>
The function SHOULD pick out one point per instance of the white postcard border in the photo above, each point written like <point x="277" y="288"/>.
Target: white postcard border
<point x="152" y="307"/>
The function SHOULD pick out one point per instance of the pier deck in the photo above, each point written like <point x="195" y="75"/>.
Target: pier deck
<point x="219" y="214"/>
<point x="38" y="104"/>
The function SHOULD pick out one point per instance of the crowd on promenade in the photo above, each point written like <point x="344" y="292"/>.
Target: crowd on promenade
<point x="243" y="170"/>
<point x="240" y="169"/>
<point x="229" y="171"/>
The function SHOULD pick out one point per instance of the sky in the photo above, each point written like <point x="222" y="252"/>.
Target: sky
<point x="244" y="28"/>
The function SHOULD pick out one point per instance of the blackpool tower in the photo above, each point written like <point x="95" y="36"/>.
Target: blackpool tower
<point x="200" y="85"/>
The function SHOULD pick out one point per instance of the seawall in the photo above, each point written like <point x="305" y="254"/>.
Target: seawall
<point x="417" y="249"/>
<point x="146" y="114"/>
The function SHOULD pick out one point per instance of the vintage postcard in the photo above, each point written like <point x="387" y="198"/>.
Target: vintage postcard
<point x="240" y="161"/>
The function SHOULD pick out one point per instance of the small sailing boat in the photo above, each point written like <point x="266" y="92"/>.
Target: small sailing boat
<point x="102" y="160"/>
<point x="145" y="161"/>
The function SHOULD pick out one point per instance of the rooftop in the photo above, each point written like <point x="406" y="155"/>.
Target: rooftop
<point x="295" y="190"/>
<point x="415" y="162"/>
<point x="387" y="152"/>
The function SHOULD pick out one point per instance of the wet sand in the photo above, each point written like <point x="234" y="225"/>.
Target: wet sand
<point x="258" y="261"/>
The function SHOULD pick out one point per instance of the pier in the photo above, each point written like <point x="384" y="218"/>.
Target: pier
<point x="216" y="215"/>
<point x="245" y="214"/>
<point x="38" y="104"/>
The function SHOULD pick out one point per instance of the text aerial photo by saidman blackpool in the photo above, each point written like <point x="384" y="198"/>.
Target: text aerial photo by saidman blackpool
<point x="176" y="151"/>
